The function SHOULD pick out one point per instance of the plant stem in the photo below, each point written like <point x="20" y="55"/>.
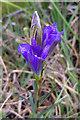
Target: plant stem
<point x="38" y="89"/>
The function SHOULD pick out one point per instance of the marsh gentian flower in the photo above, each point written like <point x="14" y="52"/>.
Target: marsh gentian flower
<point x="35" y="54"/>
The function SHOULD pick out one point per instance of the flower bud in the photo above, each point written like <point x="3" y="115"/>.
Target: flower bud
<point x="36" y="28"/>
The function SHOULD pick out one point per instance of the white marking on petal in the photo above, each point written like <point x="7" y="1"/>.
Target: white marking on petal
<point x="22" y="49"/>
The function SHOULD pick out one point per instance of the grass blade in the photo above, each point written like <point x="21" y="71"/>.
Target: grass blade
<point x="49" y="108"/>
<point x="54" y="6"/>
<point x="46" y="96"/>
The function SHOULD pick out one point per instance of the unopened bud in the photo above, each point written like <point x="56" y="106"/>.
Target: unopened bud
<point x="36" y="28"/>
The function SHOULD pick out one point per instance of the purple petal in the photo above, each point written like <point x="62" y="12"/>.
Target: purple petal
<point x="24" y="49"/>
<point x="61" y="33"/>
<point x="53" y="40"/>
<point x="52" y="47"/>
<point x="56" y="40"/>
<point x="39" y="66"/>
<point x="54" y="27"/>
<point x="33" y="42"/>
<point x="45" y="52"/>
<point x="46" y="31"/>
<point x="37" y="50"/>
<point x="50" y="39"/>
<point x="35" y="63"/>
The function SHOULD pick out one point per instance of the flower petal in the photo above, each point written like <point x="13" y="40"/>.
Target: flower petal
<point x="35" y="63"/>
<point x="37" y="50"/>
<point x="45" y="52"/>
<point x="50" y="39"/>
<point x="54" y="27"/>
<point x="33" y="42"/>
<point x="61" y="33"/>
<point x="46" y="31"/>
<point x="31" y="53"/>
<point x="53" y="45"/>
<point x="24" y="49"/>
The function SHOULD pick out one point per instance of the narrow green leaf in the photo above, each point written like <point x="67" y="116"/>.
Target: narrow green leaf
<point x="32" y="105"/>
<point x="69" y="112"/>
<point x="23" y="98"/>
<point x="46" y="96"/>
<point x="73" y="15"/>
<point x="72" y="116"/>
<point x="49" y="108"/>
<point x="54" y="6"/>
<point x="27" y="79"/>
<point x="35" y="87"/>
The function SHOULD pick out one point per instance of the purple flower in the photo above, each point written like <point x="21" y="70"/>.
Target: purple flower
<point x="36" y="53"/>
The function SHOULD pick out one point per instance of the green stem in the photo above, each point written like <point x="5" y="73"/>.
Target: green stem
<point x="38" y="89"/>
